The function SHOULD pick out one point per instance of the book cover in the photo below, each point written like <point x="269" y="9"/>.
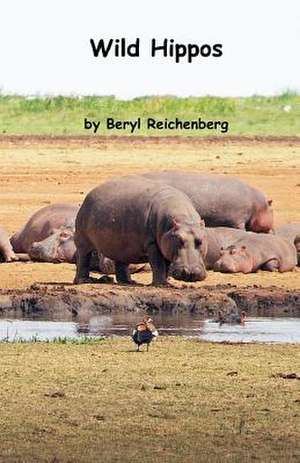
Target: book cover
<point x="149" y="231"/>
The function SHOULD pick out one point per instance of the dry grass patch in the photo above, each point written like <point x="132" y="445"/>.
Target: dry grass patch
<point x="183" y="401"/>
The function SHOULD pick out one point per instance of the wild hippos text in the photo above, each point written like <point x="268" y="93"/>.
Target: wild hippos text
<point x="165" y="48"/>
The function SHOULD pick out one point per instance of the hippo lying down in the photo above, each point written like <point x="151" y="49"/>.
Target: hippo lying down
<point x="291" y="231"/>
<point x="255" y="251"/>
<point x="221" y="200"/>
<point x="48" y="236"/>
<point x="136" y="220"/>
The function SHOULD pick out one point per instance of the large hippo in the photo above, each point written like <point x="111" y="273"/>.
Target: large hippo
<point x="222" y="200"/>
<point x="6" y="251"/>
<point x="254" y="251"/>
<point x="291" y="231"/>
<point x="133" y="219"/>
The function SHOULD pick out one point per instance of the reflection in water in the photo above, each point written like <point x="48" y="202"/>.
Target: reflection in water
<point x="121" y="324"/>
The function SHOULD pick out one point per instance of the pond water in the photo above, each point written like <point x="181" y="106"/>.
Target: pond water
<point x="280" y="330"/>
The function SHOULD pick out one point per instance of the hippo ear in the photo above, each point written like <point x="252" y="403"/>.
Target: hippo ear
<point x="270" y="201"/>
<point x="233" y="250"/>
<point x="65" y="235"/>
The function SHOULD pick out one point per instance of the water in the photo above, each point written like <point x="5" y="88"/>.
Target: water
<point x="270" y="330"/>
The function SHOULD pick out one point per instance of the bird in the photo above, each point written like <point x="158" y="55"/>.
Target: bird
<point x="144" y="333"/>
<point x="231" y="318"/>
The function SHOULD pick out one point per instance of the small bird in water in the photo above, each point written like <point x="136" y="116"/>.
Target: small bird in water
<point x="144" y="333"/>
<point x="232" y="318"/>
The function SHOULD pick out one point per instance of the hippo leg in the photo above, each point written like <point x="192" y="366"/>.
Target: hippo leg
<point x="123" y="273"/>
<point x="22" y="257"/>
<point x="9" y="255"/>
<point x="271" y="266"/>
<point x="159" y="266"/>
<point x="83" y="268"/>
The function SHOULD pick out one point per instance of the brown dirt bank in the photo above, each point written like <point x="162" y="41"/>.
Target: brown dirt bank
<point x="68" y="302"/>
<point x="88" y="140"/>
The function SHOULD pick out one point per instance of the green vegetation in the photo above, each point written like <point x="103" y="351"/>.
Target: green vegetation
<point x="257" y="115"/>
<point x="57" y="340"/>
<point x="184" y="401"/>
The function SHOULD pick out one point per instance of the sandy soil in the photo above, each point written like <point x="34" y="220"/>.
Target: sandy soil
<point x="36" y="171"/>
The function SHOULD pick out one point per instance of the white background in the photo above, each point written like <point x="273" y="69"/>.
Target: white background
<point x="45" y="49"/>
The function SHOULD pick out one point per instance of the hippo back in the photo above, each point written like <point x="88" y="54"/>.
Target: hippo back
<point x="220" y="200"/>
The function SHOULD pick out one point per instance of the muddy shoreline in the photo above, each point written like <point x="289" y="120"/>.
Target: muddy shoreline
<point x="63" y="302"/>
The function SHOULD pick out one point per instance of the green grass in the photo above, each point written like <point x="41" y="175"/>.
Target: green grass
<point x="256" y="115"/>
<point x="57" y="340"/>
<point x="184" y="401"/>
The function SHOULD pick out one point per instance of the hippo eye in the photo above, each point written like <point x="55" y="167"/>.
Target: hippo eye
<point x="198" y="243"/>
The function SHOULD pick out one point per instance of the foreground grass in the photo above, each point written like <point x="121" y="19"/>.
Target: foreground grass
<point x="184" y="401"/>
<point x="255" y="115"/>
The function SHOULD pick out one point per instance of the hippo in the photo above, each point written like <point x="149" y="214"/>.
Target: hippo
<point x="48" y="235"/>
<point x="6" y="251"/>
<point x="291" y="231"/>
<point x="256" y="251"/>
<point x="132" y="220"/>
<point x="219" y="238"/>
<point x="222" y="200"/>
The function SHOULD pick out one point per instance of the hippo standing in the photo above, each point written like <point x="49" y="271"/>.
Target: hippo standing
<point x="131" y="220"/>
<point x="222" y="200"/>
<point x="254" y="251"/>
<point x="291" y="231"/>
<point x="6" y="251"/>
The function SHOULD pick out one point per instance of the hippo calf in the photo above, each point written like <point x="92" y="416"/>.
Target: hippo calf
<point x="255" y="251"/>
<point x="291" y="231"/>
<point x="133" y="220"/>
<point x="6" y="251"/>
<point x="222" y="200"/>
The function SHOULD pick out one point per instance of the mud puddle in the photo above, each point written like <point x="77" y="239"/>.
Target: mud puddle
<point x="269" y="330"/>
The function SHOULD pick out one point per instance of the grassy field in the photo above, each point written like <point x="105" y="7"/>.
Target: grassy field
<point x="255" y="115"/>
<point x="184" y="401"/>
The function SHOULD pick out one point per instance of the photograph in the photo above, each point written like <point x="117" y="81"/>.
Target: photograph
<point x="150" y="231"/>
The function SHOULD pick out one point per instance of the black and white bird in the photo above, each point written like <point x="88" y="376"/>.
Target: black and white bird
<point x="144" y="333"/>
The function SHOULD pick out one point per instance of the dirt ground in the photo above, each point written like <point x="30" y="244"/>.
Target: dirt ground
<point x="37" y="171"/>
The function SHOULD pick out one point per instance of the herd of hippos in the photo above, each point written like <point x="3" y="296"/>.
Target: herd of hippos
<point x="183" y="224"/>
